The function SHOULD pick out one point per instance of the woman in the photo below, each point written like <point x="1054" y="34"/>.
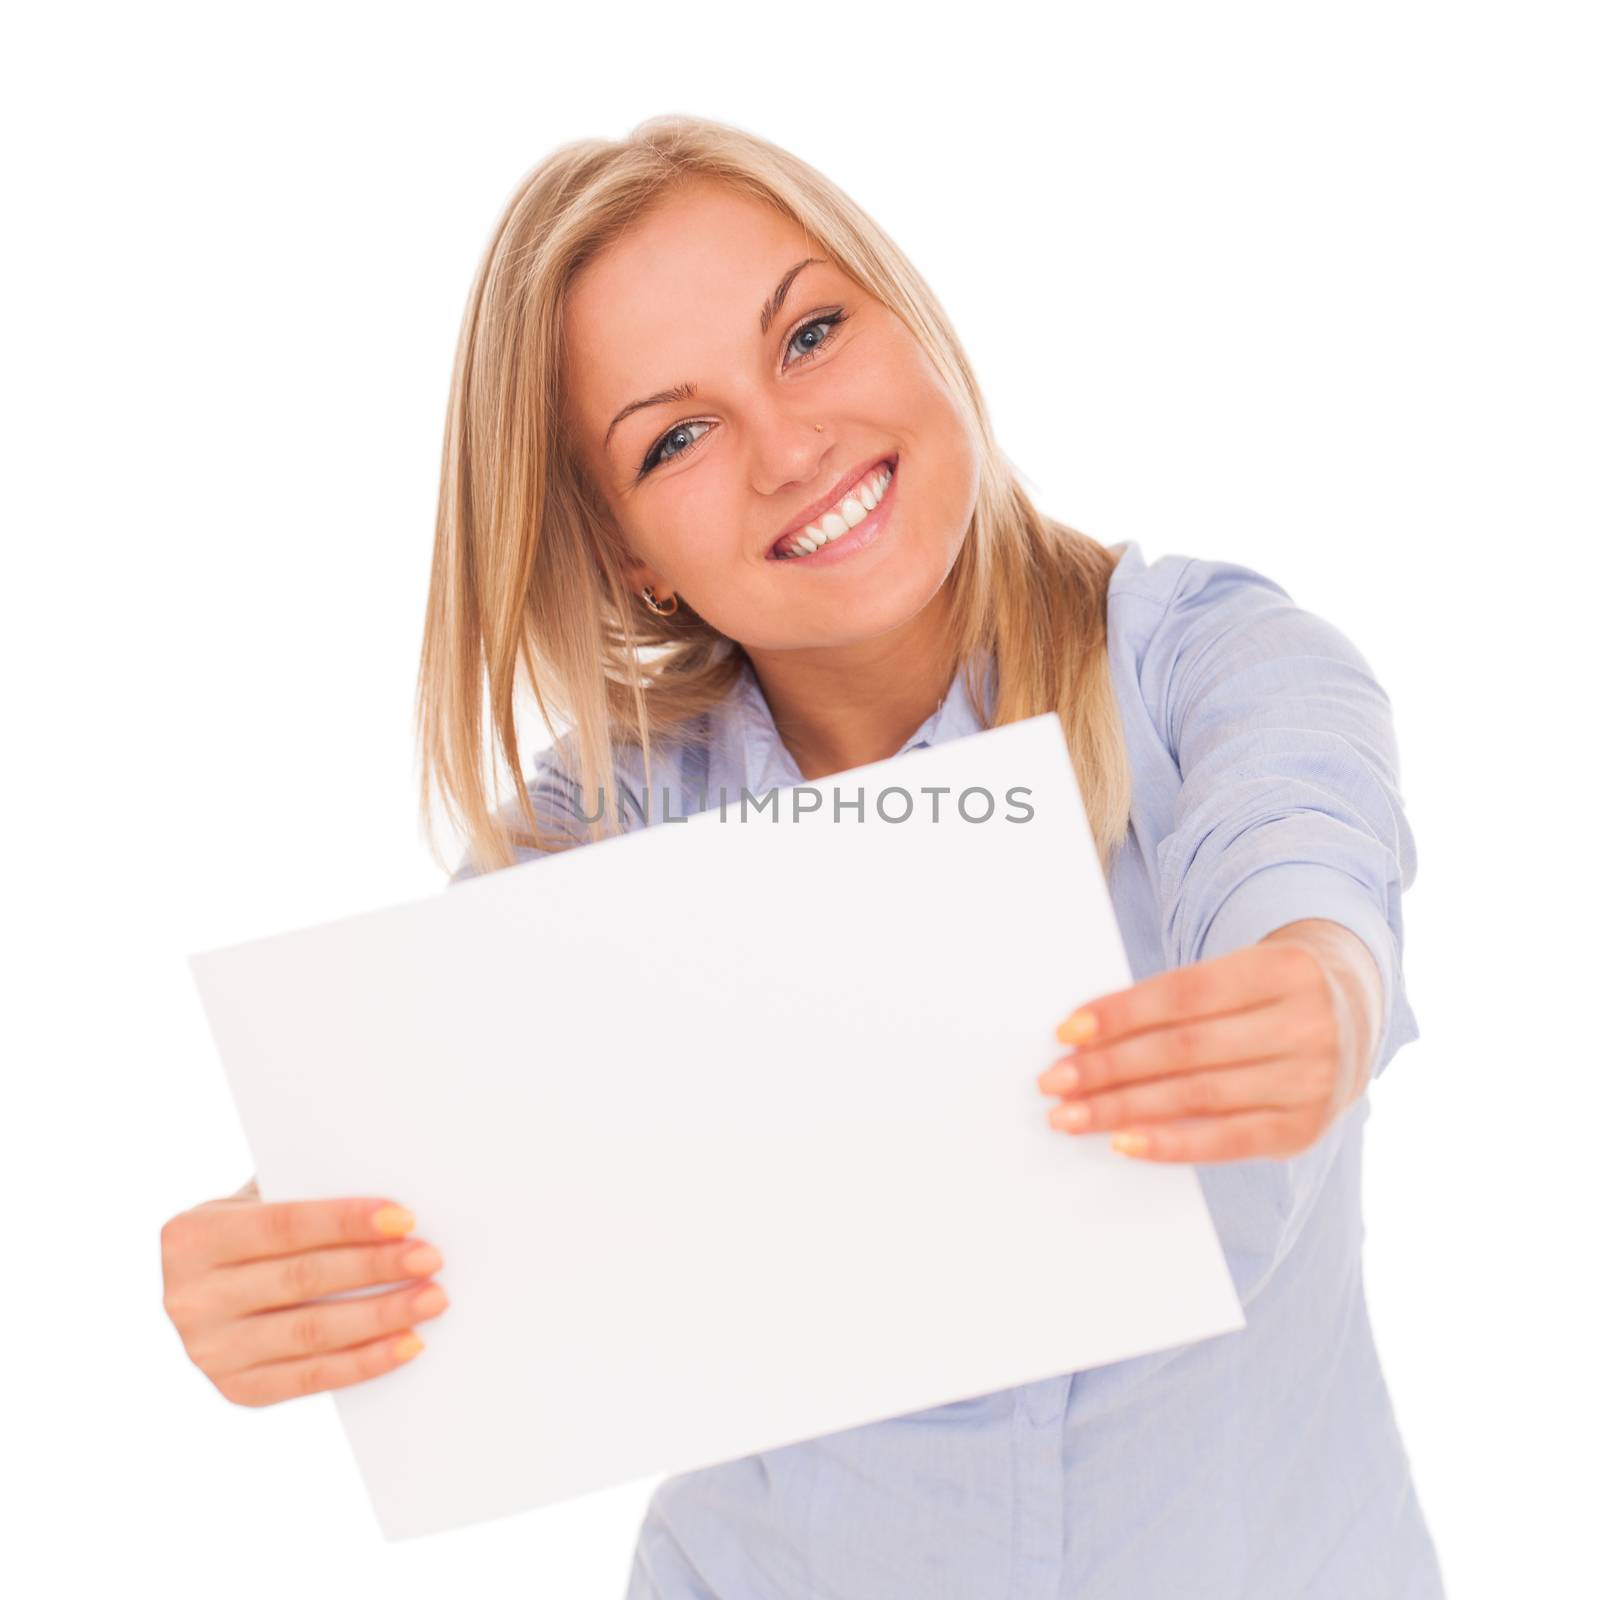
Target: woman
<point x="681" y="352"/>
<point x="719" y="484"/>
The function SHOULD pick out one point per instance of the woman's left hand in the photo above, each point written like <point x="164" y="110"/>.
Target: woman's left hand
<point x="1253" y="1053"/>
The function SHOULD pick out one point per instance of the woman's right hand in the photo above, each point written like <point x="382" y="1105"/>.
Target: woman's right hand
<point x="242" y="1275"/>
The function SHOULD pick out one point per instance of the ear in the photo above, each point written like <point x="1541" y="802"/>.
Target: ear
<point x="641" y="574"/>
<point x="636" y="574"/>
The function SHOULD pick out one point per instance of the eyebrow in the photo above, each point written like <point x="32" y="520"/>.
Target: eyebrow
<point x="685" y="391"/>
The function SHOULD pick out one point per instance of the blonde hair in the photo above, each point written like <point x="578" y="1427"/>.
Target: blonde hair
<point x="527" y="573"/>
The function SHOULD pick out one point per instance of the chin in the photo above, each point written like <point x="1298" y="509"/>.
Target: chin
<point x="889" y="602"/>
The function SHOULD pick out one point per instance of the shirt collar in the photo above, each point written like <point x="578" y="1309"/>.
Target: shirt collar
<point x="766" y="758"/>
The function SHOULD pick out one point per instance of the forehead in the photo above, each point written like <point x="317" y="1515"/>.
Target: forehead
<point x="675" y="300"/>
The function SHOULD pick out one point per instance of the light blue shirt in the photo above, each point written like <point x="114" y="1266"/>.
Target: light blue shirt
<point x="1262" y="1464"/>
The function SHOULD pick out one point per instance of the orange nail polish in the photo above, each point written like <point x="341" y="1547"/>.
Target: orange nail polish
<point x="1130" y="1144"/>
<point x="395" y="1221"/>
<point x="1079" y="1026"/>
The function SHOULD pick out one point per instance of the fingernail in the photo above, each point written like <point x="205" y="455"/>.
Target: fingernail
<point x="421" y="1261"/>
<point x="1078" y="1027"/>
<point x="431" y="1301"/>
<point x="408" y="1346"/>
<point x="1073" y="1116"/>
<point x="1064" y="1076"/>
<point x="393" y="1220"/>
<point x="1130" y="1144"/>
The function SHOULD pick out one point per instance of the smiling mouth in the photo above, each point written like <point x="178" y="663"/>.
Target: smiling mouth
<point x="857" y="506"/>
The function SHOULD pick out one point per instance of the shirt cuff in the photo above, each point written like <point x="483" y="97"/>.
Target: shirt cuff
<point x="1287" y="891"/>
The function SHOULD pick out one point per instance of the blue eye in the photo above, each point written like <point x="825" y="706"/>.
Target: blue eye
<point x="658" y="452"/>
<point x="833" y="317"/>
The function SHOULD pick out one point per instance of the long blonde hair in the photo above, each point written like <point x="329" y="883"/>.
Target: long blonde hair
<point x="527" y="574"/>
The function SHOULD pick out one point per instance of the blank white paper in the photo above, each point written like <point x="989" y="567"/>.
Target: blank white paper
<point x="728" y="1131"/>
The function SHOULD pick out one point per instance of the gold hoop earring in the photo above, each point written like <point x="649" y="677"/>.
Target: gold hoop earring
<point x="648" y="595"/>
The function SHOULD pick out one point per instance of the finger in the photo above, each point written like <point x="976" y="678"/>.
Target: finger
<point x="1191" y="1045"/>
<point x="336" y="1369"/>
<point x="309" y="1330"/>
<point x="288" y="1227"/>
<point x="269" y="1285"/>
<point x="1250" y="976"/>
<point x="1235" y="1137"/>
<point x="1271" y="1087"/>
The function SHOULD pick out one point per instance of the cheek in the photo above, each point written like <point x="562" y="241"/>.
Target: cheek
<point x="941" y="483"/>
<point x="697" y="540"/>
<point x="935" y="432"/>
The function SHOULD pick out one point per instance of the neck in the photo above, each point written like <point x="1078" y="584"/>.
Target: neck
<point x="847" y="705"/>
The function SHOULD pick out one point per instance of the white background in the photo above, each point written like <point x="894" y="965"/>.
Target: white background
<point x="1306" y="288"/>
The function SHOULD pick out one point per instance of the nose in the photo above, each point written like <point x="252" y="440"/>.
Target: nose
<point x="787" y="448"/>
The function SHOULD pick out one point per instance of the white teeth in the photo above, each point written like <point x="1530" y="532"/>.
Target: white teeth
<point x="850" y="512"/>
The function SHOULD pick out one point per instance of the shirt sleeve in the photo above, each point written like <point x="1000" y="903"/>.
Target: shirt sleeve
<point x="1289" y="804"/>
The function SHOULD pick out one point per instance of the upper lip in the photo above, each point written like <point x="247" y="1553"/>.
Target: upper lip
<point x="817" y="507"/>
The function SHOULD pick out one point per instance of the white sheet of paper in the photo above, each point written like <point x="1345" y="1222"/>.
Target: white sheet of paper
<point x="728" y="1132"/>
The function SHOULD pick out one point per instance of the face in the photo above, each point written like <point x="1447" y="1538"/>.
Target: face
<point x="704" y="487"/>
